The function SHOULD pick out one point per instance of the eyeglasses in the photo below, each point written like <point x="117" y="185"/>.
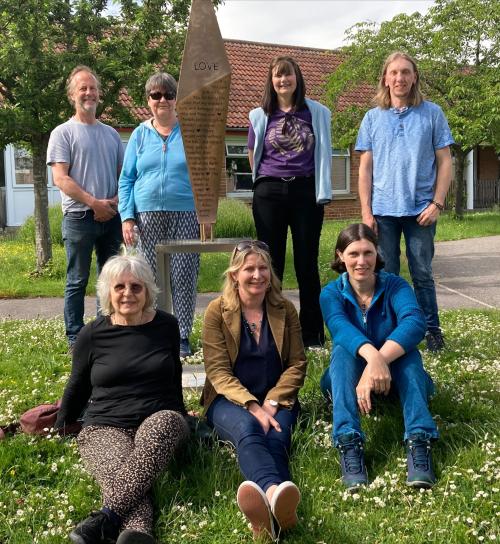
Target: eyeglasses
<point x="168" y="95"/>
<point x="136" y="288"/>
<point x="247" y="244"/>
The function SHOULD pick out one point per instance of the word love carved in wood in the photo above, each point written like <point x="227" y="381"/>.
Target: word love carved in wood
<point x="210" y="66"/>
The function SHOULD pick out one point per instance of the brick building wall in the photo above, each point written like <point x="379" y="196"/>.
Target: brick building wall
<point x="342" y="207"/>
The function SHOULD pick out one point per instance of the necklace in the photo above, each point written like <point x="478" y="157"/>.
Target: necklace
<point x="363" y="304"/>
<point x="252" y="326"/>
<point x="165" y="130"/>
<point x="363" y="301"/>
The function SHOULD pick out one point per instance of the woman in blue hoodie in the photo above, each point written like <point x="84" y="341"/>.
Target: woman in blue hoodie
<point x="155" y="196"/>
<point x="376" y="324"/>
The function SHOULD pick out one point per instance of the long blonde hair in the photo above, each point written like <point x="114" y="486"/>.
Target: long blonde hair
<point x="383" y="96"/>
<point x="230" y="290"/>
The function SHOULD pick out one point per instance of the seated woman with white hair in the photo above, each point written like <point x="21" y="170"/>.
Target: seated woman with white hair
<point x="126" y="366"/>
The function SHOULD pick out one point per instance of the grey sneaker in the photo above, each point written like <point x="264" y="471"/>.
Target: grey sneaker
<point x="435" y="341"/>
<point x="419" y="459"/>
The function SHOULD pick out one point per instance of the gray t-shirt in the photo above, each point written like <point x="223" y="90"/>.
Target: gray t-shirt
<point x="94" y="154"/>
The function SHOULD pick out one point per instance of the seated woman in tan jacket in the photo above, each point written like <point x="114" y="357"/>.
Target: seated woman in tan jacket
<point x="255" y="366"/>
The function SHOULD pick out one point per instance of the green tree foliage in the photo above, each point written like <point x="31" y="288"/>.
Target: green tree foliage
<point x="43" y="40"/>
<point x="456" y="45"/>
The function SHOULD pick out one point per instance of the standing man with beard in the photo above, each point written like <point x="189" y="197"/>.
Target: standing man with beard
<point x="86" y="158"/>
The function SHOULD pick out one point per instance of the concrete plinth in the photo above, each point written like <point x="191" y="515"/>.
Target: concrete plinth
<point x="166" y="247"/>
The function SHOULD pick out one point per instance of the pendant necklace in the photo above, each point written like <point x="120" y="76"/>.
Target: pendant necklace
<point x="252" y="326"/>
<point x="362" y="301"/>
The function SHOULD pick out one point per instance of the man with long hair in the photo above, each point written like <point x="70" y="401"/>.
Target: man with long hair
<point x="404" y="175"/>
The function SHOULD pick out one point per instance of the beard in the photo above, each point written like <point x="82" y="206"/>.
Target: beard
<point x="87" y="106"/>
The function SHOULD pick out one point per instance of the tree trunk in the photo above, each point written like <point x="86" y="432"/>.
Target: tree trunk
<point x="43" y="241"/>
<point x="459" y="182"/>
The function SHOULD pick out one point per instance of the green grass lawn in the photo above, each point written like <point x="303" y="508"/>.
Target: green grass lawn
<point x="44" y="490"/>
<point x="17" y="257"/>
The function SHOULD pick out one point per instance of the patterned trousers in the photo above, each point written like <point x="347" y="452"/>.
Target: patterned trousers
<point x="126" y="462"/>
<point x="184" y="267"/>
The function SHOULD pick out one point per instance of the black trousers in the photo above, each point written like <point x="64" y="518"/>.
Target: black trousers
<point x="277" y="205"/>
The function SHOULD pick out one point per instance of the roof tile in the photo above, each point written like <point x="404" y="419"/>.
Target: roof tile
<point x="250" y="63"/>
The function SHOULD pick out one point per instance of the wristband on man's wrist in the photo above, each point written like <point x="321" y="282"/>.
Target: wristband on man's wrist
<point x="439" y="206"/>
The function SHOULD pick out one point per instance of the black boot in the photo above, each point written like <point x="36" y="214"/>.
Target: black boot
<point x="135" y="537"/>
<point x="96" y="529"/>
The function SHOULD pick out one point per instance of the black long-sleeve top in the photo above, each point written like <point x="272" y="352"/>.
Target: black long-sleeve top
<point x="125" y="373"/>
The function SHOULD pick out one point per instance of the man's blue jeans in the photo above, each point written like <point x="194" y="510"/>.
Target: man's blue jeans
<point x="409" y="379"/>
<point x="81" y="233"/>
<point x="419" y="251"/>
<point x="263" y="458"/>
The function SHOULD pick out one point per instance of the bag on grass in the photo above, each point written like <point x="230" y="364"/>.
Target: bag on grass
<point x="40" y="419"/>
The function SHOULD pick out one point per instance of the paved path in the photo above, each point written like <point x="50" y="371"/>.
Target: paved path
<point x="467" y="274"/>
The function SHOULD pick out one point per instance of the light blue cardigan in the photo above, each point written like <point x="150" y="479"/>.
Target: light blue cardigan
<point x="155" y="175"/>
<point x="321" y="122"/>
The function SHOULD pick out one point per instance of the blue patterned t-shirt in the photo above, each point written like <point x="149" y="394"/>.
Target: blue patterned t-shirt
<point x="403" y="145"/>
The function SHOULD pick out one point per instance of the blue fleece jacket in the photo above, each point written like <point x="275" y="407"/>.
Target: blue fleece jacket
<point x="321" y="122"/>
<point x="394" y="314"/>
<point x="154" y="176"/>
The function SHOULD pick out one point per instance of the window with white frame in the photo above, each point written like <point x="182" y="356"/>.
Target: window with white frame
<point x="238" y="171"/>
<point x="341" y="165"/>
<point x="23" y="166"/>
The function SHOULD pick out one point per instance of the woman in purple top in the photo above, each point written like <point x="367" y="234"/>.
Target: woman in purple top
<point x="289" y="146"/>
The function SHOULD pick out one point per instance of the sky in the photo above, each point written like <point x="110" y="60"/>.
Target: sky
<point x="308" y="23"/>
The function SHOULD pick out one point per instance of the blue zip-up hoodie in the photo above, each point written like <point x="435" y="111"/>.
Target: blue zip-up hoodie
<point x="394" y="314"/>
<point x="154" y="176"/>
<point x="321" y="122"/>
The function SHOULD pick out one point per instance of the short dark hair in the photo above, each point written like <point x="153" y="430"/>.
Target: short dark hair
<point x="283" y="65"/>
<point x="355" y="233"/>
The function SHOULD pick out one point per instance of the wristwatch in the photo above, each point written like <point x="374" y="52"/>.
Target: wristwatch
<point x="273" y="403"/>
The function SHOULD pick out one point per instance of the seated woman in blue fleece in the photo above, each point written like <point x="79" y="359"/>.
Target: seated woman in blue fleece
<point x="376" y="324"/>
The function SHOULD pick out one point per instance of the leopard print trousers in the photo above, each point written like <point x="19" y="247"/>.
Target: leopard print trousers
<point x="126" y="462"/>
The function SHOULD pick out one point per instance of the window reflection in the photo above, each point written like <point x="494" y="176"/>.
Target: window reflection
<point x="23" y="165"/>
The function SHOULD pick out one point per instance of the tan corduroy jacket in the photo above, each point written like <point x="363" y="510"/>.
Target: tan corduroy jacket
<point x="221" y="342"/>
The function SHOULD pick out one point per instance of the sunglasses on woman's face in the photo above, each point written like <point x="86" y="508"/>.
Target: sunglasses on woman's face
<point x="135" y="288"/>
<point x="168" y="95"/>
<point x="247" y="244"/>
